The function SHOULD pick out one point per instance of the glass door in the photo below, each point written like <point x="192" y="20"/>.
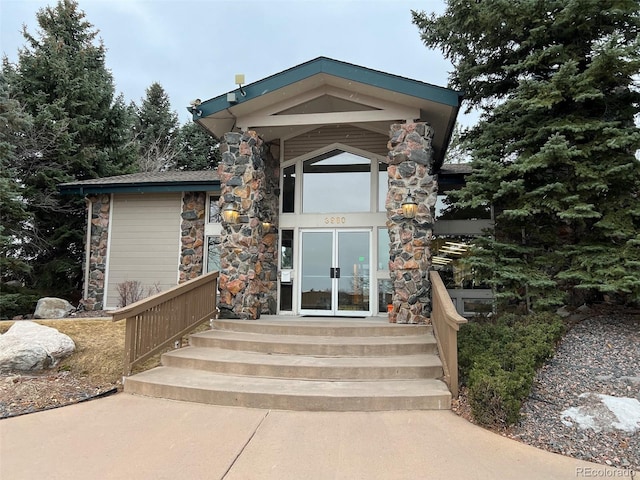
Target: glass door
<point x="335" y="272"/>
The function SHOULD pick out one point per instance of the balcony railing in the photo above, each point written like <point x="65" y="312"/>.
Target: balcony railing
<point x="157" y="322"/>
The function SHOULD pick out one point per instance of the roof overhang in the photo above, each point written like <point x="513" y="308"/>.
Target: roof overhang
<point x="274" y="106"/>
<point x="160" y="182"/>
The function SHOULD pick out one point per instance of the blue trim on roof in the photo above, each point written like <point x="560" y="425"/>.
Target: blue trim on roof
<point x="139" y="188"/>
<point x="336" y="68"/>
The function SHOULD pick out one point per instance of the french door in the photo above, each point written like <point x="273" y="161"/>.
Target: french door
<point x="335" y="270"/>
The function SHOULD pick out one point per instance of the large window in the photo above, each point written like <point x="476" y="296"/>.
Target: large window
<point x="336" y="182"/>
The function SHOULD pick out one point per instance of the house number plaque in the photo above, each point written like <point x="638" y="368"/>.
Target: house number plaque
<point x="335" y="220"/>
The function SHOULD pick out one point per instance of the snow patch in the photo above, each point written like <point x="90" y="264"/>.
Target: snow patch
<point x="604" y="412"/>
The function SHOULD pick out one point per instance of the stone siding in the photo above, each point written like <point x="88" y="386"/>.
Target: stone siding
<point x="192" y="235"/>
<point x="247" y="255"/>
<point x="98" y="244"/>
<point x="410" y="167"/>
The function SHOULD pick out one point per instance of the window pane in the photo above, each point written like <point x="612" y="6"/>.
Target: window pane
<point x="446" y="211"/>
<point x="213" y="254"/>
<point x="383" y="249"/>
<point x="383" y="186"/>
<point x="447" y="254"/>
<point x="336" y="182"/>
<point x="385" y="291"/>
<point x="214" y="209"/>
<point x="478" y="305"/>
<point x="289" y="189"/>
<point x="286" y="258"/>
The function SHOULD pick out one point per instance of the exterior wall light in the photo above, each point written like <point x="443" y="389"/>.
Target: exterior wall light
<point x="409" y="206"/>
<point x="230" y="214"/>
<point x="266" y="227"/>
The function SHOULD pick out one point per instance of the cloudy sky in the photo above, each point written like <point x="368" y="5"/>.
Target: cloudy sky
<point x="194" y="48"/>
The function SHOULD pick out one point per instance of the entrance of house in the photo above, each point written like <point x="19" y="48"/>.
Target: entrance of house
<point x="335" y="272"/>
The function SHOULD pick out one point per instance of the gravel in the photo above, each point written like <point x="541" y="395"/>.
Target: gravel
<point x="600" y="356"/>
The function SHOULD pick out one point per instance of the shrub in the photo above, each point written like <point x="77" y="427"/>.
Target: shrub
<point x="498" y="359"/>
<point x="129" y="292"/>
<point x="16" y="301"/>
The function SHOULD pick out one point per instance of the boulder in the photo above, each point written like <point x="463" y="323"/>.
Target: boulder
<point x="51" y="307"/>
<point x="28" y="346"/>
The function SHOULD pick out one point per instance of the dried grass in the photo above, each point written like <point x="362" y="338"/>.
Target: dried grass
<point x="99" y="347"/>
<point x="99" y="353"/>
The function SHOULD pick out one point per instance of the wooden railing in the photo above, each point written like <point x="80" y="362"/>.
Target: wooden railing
<point x="446" y="322"/>
<point x="163" y="319"/>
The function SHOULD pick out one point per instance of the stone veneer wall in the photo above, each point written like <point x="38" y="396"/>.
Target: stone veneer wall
<point x="410" y="169"/>
<point x="98" y="242"/>
<point x="192" y="235"/>
<point x="245" y="268"/>
<point x="269" y="250"/>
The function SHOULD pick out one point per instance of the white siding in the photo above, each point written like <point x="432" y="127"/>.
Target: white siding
<point x="144" y="242"/>
<point x="346" y="134"/>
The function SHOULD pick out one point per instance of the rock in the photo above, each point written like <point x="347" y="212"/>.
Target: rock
<point x="28" y="346"/>
<point x="50" y="307"/>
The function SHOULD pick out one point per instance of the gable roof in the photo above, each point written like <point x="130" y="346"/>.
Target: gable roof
<point x="436" y="105"/>
<point x="147" y="182"/>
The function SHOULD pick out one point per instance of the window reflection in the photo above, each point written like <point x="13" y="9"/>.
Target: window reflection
<point x="383" y="249"/>
<point x="213" y="253"/>
<point x="447" y="255"/>
<point x="214" y="209"/>
<point x="383" y="186"/>
<point x="336" y="182"/>
<point x="288" y="189"/>
<point x="445" y="210"/>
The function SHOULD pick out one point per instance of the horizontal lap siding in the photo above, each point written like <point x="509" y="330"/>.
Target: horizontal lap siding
<point x="144" y="242"/>
<point x="346" y="134"/>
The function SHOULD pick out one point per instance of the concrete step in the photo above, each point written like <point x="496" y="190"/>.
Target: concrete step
<point x="235" y="362"/>
<point x="303" y="364"/>
<point x="290" y="394"/>
<point x="322" y="327"/>
<point x="317" y="344"/>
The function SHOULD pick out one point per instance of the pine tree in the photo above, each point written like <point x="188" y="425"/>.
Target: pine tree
<point x="156" y="131"/>
<point x="555" y="150"/>
<point x="15" y="129"/>
<point x="62" y="83"/>
<point x="196" y="149"/>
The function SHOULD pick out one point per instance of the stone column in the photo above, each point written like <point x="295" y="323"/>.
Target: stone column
<point x="98" y="241"/>
<point x="410" y="168"/>
<point x="269" y="209"/>
<point x="242" y="181"/>
<point x="192" y="235"/>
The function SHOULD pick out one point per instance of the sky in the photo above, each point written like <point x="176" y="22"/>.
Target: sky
<point x="194" y="48"/>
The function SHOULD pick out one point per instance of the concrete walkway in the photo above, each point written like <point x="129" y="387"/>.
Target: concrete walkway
<point x="131" y="437"/>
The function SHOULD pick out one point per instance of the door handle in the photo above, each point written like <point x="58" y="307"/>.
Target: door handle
<point x="334" y="272"/>
<point x="337" y="272"/>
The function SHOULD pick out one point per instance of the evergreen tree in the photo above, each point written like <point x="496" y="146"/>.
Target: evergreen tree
<point x="62" y="83"/>
<point x="555" y="150"/>
<point x="15" y="129"/>
<point x="156" y="131"/>
<point x="196" y="149"/>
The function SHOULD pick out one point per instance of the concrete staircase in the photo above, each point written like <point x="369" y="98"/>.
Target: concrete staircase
<point x="303" y="364"/>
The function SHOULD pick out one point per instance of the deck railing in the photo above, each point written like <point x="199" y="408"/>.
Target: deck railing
<point x="446" y="322"/>
<point x="159" y="321"/>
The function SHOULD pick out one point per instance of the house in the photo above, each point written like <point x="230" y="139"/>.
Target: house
<point x="325" y="202"/>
